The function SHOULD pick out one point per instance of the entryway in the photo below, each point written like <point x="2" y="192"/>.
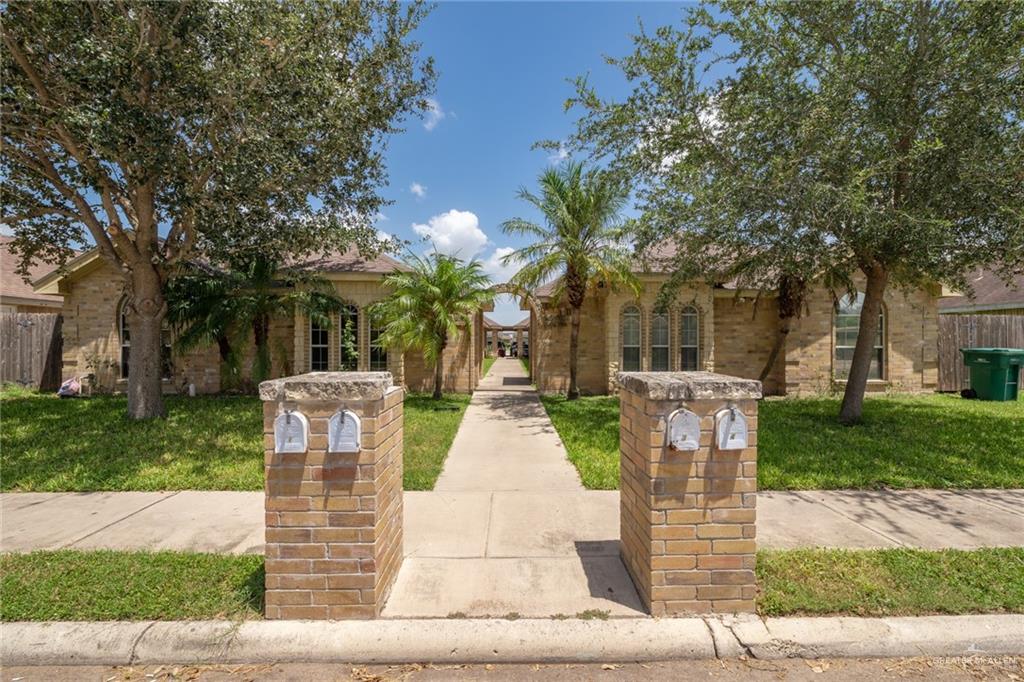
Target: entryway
<point x="508" y="529"/>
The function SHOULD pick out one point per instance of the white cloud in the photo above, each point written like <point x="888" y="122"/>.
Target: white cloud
<point x="6" y="230"/>
<point x="455" y="233"/>
<point x="419" y="190"/>
<point x="558" y="156"/>
<point x="494" y="267"/>
<point x="434" y="114"/>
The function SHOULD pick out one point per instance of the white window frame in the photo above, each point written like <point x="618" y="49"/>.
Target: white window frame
<point x="667" y="346"/>
<point x="315" y="328"/>
<point x="348" y="310"/>
<point x="630" y="311"/>
<point x="686" y="314"/>
<point x="845" y="309"/>
<point x="376" y="364"/>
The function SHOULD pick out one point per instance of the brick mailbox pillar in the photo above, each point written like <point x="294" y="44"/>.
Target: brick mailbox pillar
<point x="688" y="495"/>
<point x="333" y="462"/>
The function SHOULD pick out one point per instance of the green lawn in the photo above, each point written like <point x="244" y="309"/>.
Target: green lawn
<point x="105" y="585"/>
<point x="429" y="431"/>
<point x="488" y="362"/>
<point x="206" y="443"/>
<point x="78" y="585"/>
<point x="928" y="441"/>
<point x="890" y="582"/>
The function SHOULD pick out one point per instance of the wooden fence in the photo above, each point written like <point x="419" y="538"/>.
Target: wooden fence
<point x="973" y="331"/>
<point x="30" y="349"/>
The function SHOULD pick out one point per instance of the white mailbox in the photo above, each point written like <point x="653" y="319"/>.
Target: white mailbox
<point x="343" y="431"/>
<point x="683" y="430"/>
<point x="291" y="432"/>
<point x="730" y="429"/>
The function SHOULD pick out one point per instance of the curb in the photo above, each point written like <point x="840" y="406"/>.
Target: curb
<point x="504" y="641"/>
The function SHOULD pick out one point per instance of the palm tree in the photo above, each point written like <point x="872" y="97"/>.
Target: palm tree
<point x="211" y="305"/>
<point x="429" y="303"/>
<point x="581" y="241"/>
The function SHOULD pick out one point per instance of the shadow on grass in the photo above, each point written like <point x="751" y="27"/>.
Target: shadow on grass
<point x="205" y="443"/>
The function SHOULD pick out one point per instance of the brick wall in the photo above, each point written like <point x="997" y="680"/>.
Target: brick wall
<point x="333" y="520"/>
<point x="744" y="335"/>
<point x="688" y="517"/>
<point x="549" y="348"/>
<point x="910" y="342"/>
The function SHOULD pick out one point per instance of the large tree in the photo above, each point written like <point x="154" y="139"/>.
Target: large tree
<point x="429" y="304"/>
<point x="581" y="242"/>
<point x="887" y="136"/>
<point x="166" y="131"/>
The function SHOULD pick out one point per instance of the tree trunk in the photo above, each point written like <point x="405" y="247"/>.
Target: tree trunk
<point x="780" y="341"/>
<point x="857" y="382"/>
<point x="439" y="369"/>
<point x="146" y="312"/>
<point x="261" y="337"/>
<point x="574" y="347"/>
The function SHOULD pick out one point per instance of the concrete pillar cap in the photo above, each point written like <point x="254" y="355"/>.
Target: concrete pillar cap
<point x="328" y="386"/>
<point x="689" y="386"/>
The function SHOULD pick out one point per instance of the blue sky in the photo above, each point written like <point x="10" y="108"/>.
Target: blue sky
<point x="503" y="70"/>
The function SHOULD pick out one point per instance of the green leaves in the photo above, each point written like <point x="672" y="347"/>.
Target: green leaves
<point x="429" y="303"/>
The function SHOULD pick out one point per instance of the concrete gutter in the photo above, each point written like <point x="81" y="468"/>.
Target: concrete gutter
<point x="504" y="641"/>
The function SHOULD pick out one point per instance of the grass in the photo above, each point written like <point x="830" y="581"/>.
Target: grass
<point x="525" y="362"/>
<point x="890" y="582"/>
<point x="488" y="361"/>
<point x="206" y="443"/>
<point x="928" y="441"/>
<point x="106" y="585"/>
<point x="430" y="428"/>
<point x="589" y="428"/>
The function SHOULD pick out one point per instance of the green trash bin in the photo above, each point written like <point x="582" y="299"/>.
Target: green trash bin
<point x="995" y="372"/>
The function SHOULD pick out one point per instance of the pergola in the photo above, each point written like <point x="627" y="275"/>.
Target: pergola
<point x="495" y="330"/>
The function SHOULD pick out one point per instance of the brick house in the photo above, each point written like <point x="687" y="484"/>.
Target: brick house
<point x="731" y="331"/>
<point x="96" y="339"/>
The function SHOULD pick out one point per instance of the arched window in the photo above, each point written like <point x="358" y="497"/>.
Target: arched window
<point x="348" y="338"/>
<point x="847" y="325"/>
<point x="378" y="353"/>
<point x="125" y="342"/>
<point x="318" y="344"/>
<point x="689" y="339"/>
<point x="659" y="342"/>
<point x="631" y="339"/>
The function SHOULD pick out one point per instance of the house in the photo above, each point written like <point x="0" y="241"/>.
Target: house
<point x="17" y="294"/>
<point x="97" y="342"/>
<point x="726" y="329"/>
<point x="992" y="296"/>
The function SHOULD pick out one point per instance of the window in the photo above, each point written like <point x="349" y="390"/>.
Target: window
<point x="378" y="353"/>
<point x="318" y="345"/>
<point x="124" y="334"/>
<point x="659" y="343"/>
<point x="847" y="326"/>
<point x="348" y="335"/>
<point x="631" y="339"/>
<point x="689" y="339"/>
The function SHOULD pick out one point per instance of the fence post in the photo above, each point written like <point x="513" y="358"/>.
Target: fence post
<point x="333" y="462"/>
<point x="688" y="497"/>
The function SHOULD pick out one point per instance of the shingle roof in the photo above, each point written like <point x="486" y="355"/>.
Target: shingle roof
<point x="351" y="260"/>
<point x="12" y="284"/>
<point x="990" y="293"/>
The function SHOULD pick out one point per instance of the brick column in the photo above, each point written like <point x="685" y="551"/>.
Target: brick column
<point x="687" y="515"/>
<point x="333" y="519"/>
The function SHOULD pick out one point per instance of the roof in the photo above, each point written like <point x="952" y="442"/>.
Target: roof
<point x="490" y="323"/>
<point x="351" y="260"/>
<point x="337" y="262"/>
<point x="990" y="293"/>
<point x="14" y="289"/>
<point x="523" y="323"/>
